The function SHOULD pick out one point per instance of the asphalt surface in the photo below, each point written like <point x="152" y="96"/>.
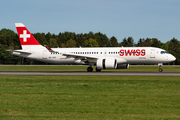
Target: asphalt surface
<point x="67" y="73"/>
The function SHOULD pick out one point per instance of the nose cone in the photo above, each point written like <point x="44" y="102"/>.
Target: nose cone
<point x="172" y="58"/>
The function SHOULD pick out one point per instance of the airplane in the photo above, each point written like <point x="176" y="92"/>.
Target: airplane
<point x="101" y="57"/>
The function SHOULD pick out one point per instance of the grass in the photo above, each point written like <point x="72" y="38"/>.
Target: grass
<point x="133" y="68"/>
<point x="89" y="97"/>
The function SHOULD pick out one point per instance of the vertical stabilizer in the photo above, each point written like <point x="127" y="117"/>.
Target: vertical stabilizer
<point x="27" y="40"/>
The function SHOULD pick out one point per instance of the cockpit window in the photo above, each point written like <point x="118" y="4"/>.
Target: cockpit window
<point x="164" y="52"/>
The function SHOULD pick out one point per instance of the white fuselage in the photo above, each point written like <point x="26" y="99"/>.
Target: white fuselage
<point x="130" y="55"/>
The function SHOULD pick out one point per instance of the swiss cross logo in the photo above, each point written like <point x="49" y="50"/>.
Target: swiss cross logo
<point x="24" y="35"/>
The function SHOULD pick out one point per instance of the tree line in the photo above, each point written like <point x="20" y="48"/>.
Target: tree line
<point x="9" y="40"/>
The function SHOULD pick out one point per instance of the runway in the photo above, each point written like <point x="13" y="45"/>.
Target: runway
<point x="72" y="73"/>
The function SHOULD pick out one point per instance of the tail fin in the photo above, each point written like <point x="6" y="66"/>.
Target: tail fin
<point x="27" y="40"/>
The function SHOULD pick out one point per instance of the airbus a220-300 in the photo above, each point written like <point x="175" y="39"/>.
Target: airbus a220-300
<point x="101" y="57"/>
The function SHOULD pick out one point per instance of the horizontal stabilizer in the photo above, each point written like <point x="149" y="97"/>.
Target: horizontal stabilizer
<point x="21" y="51"/>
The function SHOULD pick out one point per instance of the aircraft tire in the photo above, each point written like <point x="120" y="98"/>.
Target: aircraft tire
<point x="98" y="70"/>
<point x="160" y="70"/>
<point x="89" y="69"/>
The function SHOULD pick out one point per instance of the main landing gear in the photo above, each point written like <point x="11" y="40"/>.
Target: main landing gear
<point x="90" y="69"/>
<point x="98" y="70"/>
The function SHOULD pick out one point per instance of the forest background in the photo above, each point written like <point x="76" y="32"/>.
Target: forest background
<point x="9" y="40"/>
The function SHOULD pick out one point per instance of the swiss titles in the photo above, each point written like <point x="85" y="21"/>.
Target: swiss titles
<point x="132" y="52"/>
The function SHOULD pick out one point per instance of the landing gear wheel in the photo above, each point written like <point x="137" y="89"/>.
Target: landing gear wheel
<point x="89" y="69"/>
<point x="160" y="70"/>
<point x="98" y="70"/>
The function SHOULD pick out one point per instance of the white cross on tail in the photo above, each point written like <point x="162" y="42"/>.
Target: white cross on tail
<point x="24" y="35"/>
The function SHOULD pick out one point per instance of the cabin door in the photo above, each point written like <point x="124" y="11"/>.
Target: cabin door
<point x="152" y="53"/>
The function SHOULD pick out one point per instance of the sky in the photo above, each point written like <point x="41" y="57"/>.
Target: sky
<point x="119" y="18"/>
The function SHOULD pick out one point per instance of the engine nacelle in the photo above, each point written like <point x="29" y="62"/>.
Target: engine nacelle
<point x="108" y="63"/>
<point x="122" y="66"/>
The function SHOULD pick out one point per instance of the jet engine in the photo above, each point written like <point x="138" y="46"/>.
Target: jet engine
<point x="108" y="63"/>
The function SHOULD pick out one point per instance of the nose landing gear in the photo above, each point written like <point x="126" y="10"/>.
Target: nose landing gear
<point x="160" y="69"/>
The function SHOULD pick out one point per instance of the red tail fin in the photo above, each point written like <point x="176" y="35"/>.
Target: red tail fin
<point x="25" y="36"/>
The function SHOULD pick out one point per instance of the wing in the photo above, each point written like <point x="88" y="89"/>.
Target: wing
<point x="83" y="58"/>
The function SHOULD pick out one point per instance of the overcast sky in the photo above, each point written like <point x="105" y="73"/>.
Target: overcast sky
<point x="120" y="18"/>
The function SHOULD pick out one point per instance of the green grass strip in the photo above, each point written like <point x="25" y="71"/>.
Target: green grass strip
<point x="133" y="68"/>
<point x="89" y="97"/>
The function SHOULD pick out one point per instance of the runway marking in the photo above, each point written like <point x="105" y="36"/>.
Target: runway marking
<point x="67" y="73"/>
